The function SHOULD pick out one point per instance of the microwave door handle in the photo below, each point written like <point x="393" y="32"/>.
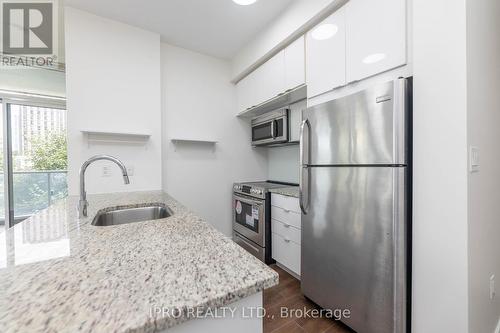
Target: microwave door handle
<point x="304" y="166"/>
<point x="273" y="129"/>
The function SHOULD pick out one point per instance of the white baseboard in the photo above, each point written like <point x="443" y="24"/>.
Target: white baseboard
<point x="497" y="330"/>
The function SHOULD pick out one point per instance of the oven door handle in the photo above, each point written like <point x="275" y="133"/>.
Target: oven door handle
<point x="248" y="201"/>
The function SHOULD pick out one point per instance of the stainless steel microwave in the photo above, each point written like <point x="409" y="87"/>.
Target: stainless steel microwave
<point x="270" y="128"/>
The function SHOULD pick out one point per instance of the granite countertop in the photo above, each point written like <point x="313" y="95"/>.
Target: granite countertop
<point x="291" y="191"/>
<point x="59" y="273"/>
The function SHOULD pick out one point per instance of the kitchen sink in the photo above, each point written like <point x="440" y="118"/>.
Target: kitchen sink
<point x="118" y="216"/>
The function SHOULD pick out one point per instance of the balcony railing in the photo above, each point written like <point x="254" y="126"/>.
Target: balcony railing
<point x="33" y="191"/>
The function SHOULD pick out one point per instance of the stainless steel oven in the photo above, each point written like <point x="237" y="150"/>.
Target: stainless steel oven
<point x="270" y="128"/>
<point x="252" y="218"/>
<point x="249" y="216"/>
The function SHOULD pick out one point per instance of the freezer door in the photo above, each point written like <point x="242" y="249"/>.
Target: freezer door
<point x="354" y="245"/>
<point x="369" y="127"/>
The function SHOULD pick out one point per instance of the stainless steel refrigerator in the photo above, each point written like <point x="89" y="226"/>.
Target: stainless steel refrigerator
<point x="355" y="190"/>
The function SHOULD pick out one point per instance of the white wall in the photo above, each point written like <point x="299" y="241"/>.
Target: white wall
<point x="113" y="84"/>
<point x="483" y="104"/>
<point x="299" y="14"/>
<point x="283" y="164"/>
<point x="440" y="300"/>
<point x="198" y="102"/>
<point x="33" y="80"/>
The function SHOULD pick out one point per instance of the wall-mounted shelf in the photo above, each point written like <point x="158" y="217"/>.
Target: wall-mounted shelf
<point x="108" y="137"/>
<point x="186" y="140"/>
<point x="194" y="141"/>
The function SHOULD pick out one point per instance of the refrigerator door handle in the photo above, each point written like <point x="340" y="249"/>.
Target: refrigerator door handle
<point x="400" y="254"/>
<point x="304" y="167"/>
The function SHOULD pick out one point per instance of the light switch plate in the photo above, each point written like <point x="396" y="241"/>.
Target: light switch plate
<point x="474" y="159"/>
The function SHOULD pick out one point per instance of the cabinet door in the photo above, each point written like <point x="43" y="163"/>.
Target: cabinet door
<point x="264" y="83"/>
<point x="245" y="93"/>
<point x="376" y="37"/>
<point x="295" y="71"/>
<point x="271" y="77"/>
<point x="296" y="119"/>
<point x="325" y="55"/>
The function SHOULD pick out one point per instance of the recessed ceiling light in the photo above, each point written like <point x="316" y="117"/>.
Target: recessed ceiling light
<point x="324" y="31"/>
<point x="373" y="58"/>
<point x="244" y="2"/>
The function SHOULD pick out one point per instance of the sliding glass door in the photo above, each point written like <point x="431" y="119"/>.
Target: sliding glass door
<point x="35" y="155"/>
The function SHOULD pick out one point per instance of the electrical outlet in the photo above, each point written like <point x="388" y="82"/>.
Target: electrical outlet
<point x="130" y="170"/>
<point x="106" y="171"/>
<point x="492" y="287"/>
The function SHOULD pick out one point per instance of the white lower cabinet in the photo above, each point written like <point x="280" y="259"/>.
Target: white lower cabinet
<point x="286" y="216"/>
<point x="286" y="252"/>
<point x="286" y="231"/>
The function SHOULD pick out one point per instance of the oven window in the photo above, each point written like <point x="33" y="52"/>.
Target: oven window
<point x="247" y="215"/>
<point x="261" y="132"/>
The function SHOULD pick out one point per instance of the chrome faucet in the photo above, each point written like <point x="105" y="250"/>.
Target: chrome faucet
<point x="83" y="203"/>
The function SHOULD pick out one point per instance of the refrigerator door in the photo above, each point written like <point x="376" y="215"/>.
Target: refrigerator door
<point x="354" y="245"/>
<point x="369" y="127"/>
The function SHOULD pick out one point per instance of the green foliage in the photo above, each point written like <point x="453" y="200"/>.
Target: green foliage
<point x="49" y="153"/>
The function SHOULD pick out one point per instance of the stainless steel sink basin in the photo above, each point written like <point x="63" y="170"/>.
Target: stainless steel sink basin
<point x="129" y="215"/>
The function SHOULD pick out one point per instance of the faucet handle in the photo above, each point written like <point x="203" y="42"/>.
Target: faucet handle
<point x="82" y="208"/>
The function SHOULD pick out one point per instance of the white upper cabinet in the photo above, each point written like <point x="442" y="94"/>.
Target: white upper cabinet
<point x="264" y="83"/>
<point x="271" y="77"/>
<point x="245" y="93"/>
<point x="295" y="71"/>
<point x="326" y="54"/>
<point x="376" y="37"/>
<point x="283" y="72"/>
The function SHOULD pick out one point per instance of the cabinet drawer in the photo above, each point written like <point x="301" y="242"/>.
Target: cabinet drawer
<point x="286" y="231"/>
<point x="285" y="202"/>
<point x="286" y="253"/>
<point x="286" y="216"/>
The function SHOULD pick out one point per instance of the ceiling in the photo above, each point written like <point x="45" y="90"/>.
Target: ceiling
<point x="215" y="27"/>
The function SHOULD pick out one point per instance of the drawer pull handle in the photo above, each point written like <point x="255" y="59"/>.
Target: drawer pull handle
<point x="287" y="240"/>
<point x="286" y="225"/>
